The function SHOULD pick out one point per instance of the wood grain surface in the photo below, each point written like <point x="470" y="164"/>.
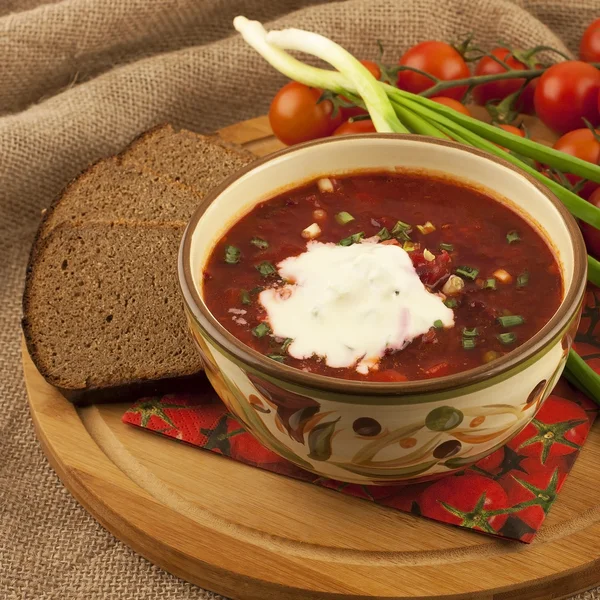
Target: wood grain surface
<point x="253" y="535"/>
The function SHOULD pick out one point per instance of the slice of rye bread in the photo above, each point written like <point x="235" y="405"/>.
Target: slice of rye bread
<point x="103" y="318"/>
<point x="198" y="161"/>
<point x="111" y="191"/>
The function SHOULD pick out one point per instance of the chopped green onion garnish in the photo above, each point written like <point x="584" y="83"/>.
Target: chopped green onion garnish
<point x="257" y="290"/>
<point x="438" y="324"/>
<point x="259" y="243"/>
<point x="276" y="357"/>
<point x="429" y="227"/>
<point x="408" y="247"/>
<point x="451" y="302"/>
<point x="344" y="217"/>
<point x="286" y="345"/>
<point x="512" y="237"/>
<point x="401" y="230"/>
<point x="384" y="235"/>
<point x="468" y="343"/>
<point x="468" y="272"/>
<point x="522" y="279"/>
<point x="507" y="338"/>
<point x="245" y="296"/>
<point x="447" y="247"/>
<point x="232" y="255"/>
<point x="469" y="333"/>
<point x="261" y="330"/>
<point x="490" y="284"/>
<point x="266" y="269"/>
<point x="511" y="321"/>
<point x="353" y="239"/>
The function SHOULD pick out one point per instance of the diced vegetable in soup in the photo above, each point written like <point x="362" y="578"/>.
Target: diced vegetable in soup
<point x="383" y="277"/>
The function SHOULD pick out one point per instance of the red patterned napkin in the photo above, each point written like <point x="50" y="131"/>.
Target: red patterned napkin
<point x="508" y="494"/>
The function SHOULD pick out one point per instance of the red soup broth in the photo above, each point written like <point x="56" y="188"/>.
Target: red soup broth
<point x="510" y="269"/>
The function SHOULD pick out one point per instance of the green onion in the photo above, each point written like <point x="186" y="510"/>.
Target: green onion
<point x="438" y="324"/>
<point x="512" y="237"/>
<point x="511" y="320"/>
<point x="344" y="217"/>
<point x="522" y="279"/>
<point x="490" y="284"/>
<point x="353" y="239"/>
<point x="384" y="235"/>
<point x="245" y="296"/>
<point x="466" y="271"/>
<point x="580" y="374"/>
<point x="507" y="338"/>
<point x="451" y="302"/>
<point x="408" y="247"/>
<point x="401" y="230"/>
<point x="468" y="343"/>
<point x="276" y="357"/>
<point x="232" y="255"/>
<point x="266" y="268"/>
<point x="447" y="247"/>
<point x="259" y="243"/>
<point x="261" y="330"/>
<point x="469" y="333"/>
<point x="426" y="229"/>
<point x="593" y="271"/>
<point x="256" y="290"/>
<point x="286" y="345"/>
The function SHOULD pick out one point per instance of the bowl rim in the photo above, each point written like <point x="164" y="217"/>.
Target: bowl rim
<point x="260" y="363"/>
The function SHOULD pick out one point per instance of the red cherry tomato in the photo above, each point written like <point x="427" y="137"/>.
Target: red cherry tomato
<point x="589" y="48"/>
<point x="524" y="102"/>
<point x="351" y="127"/>
<point x="353" y="111"/>
<point x="566" y="94"/>
<point x="591" y="235"/>
<point x="452" y="103"/>
<point x="296" y="117"/>
<point x="583" y="144"/>
<point x="497" y="90"/>
<point x="462" y="493"/>
<point x="438" y="59"/>
<point x="512" y="129"/>
<point x="559" y="428"/>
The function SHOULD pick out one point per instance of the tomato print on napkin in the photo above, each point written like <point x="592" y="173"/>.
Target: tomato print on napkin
<point x="508" y="493"/>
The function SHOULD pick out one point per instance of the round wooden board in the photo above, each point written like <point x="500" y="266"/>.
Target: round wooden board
<point x="254" y="535"/>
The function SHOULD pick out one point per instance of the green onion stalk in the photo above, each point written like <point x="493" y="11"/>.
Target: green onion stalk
<point x="396" y="111"/>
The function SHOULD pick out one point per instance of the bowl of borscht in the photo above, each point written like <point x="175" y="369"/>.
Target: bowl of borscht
<point x="382" y="308"/>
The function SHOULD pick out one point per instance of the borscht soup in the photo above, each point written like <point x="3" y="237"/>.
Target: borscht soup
<point x="383" y="277"/>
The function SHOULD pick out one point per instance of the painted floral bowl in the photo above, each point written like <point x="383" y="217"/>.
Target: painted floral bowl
<point x="382" y="433"/>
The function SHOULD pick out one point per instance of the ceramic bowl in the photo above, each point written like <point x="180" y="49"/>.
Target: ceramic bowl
<point x="382" y="433"/>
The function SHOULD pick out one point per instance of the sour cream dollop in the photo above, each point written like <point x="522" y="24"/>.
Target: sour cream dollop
<point x="349" y="304"/>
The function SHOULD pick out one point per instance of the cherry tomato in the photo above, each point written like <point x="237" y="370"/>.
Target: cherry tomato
<point x="295" y="116"/>
<point x="559" y="428"/>
<point x="583" y="144"/>
<point x="353" y="111"/>
<point x="351" y="127"/>
<point x="566" y="93"/>
<point x="591" y="235"/>
<point x="438" y="59"/>
<point x="452" y="103"/>
<point x="589" y="48"/>
<point x="524" y="103"/>
<point x="512" y="129"/>
<point x="497" y="90"/>
<point x="462" y="493"/>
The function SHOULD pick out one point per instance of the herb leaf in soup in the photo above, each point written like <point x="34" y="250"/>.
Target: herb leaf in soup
<point x="259" y="243"/>
<point x="232" y="255"/>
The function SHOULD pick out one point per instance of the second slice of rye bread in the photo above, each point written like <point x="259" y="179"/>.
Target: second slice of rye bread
<point x="102" y="312"/>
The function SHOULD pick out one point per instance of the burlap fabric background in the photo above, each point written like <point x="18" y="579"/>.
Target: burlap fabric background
<point x="78" y="79"/>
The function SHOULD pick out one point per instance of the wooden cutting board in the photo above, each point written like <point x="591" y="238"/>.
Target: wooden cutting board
<point x="253" y="535"/>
